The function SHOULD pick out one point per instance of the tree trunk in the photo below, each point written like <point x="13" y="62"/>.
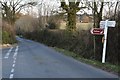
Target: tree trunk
<point x="98" y="39"/>
<point x="71" y="24"/>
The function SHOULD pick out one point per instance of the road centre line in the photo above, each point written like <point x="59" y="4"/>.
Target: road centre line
<point x="14" y="58"/>
<point x="16" y="49"/>
<point x="11" y="76"/>
<point x="12" y="70"/>
<point x="8" y="53"/>
<point x="14" y="61"/>
<point x="16" y="52"/>
<point x="13" y="65"/>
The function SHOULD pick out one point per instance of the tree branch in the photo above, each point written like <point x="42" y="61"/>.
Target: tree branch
<point x="63" y="5"/>
<point x="17" y="3"/>
<point x="101" y="6"/>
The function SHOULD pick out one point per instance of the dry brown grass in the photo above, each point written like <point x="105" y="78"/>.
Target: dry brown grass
<point x="80" y="26"/>
<point x="8" y="33"/>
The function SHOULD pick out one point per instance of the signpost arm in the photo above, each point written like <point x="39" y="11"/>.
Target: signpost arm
<point x="105" y="41"/>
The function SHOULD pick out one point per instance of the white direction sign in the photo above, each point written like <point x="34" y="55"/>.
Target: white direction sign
<point x="109" y="24"/>
<point x="105" y="25"/>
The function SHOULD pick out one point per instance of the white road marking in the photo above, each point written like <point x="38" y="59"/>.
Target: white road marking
<point x="12" y="70"/>
<point x="13" y="65"/>
<point x="16" y="49"/>
<point x="15" y="58"/>
<point x="11" y="76"/>
<point x="8" y="53"/>
<point x="16" y="52"/>
<point x="14" y="61"/>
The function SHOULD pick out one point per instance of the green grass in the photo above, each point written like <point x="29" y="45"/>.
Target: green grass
<point x="106" y="66"/>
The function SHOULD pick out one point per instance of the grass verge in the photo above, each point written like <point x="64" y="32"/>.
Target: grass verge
<point x="107" y="66"/>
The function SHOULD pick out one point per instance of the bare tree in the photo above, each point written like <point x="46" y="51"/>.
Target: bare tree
<point x="112" y="9"/>
<point x="26" y="23"/>
<point x="71" y="9"/>
<point x="12" y="7"/>
<point x="97" y="8"/>
<point x="116" y="8"/>
<point x="45" y="10"/>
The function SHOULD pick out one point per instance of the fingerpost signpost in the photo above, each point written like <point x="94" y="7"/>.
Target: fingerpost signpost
<point x="104" y="25"/>
<point x="97" y="31"/>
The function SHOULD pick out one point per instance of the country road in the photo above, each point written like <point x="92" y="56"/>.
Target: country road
<point x="30" y="59"/>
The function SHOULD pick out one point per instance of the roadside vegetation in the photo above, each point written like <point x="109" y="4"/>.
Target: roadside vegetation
<point x="80" y="43"/>
<point x="45" y="28"/>
<point x="8" y="35"/>
<point x="107" y="66"/>
<point x="10" y="12"/>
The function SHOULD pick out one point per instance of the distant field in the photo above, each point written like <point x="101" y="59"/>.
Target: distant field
<point x="63" y="25"/>
<point x="80" y="26"/>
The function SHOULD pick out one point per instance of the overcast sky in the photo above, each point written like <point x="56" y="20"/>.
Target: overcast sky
<point x="56" y="4"/>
